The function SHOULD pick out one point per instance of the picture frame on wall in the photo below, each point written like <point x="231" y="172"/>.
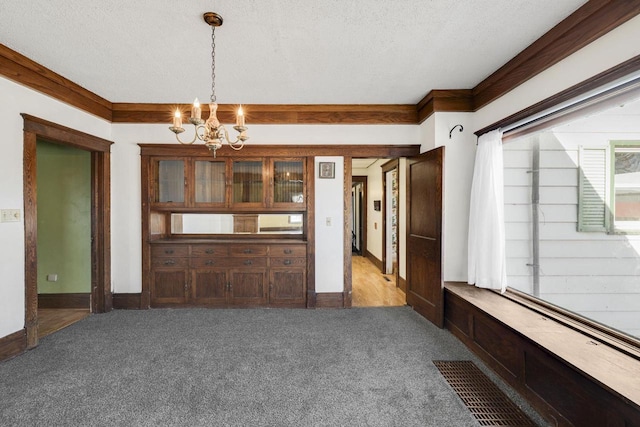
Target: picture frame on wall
<point x="327" y="170"/>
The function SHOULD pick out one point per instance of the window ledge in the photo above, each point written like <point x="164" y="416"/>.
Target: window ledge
<point x="612" y="368"/>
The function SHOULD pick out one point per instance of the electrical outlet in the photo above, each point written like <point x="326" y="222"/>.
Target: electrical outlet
<point x="328" y="221"/>
<point x="9" y="215"/>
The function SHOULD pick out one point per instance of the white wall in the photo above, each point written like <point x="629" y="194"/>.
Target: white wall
<point x="15" y="99"/>
<point x="329" y="214"/>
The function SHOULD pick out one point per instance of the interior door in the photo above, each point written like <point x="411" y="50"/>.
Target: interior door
<point x="424" y="235"/>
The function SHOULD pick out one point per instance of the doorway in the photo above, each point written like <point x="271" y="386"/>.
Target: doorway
<point x="98" y="149"/>
<point x="390" y="215"/>
<point x="359" y="215"/>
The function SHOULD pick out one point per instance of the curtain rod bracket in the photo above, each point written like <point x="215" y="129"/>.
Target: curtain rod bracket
<point x="453" y="128"/>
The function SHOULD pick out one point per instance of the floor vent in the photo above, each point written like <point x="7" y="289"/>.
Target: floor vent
<point x="488" y="404"/>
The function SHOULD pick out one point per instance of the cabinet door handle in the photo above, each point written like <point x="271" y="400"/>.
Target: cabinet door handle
<point x="209" y="262"/>
<point x="209" y="251"/>
<point x="287" y="262"/>
<point x="168" y="251"/>
<point x="248" y="262"/>
<point x="287" y="251"/>
<point x="248" y="251"/>
<point x="169" y="262"/>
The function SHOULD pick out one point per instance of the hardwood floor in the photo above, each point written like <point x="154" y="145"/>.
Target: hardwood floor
<point x="51" y="320"/>
<point x="370" y="288"/>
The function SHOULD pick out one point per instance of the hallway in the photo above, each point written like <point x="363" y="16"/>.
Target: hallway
<point x="370" y="288"/>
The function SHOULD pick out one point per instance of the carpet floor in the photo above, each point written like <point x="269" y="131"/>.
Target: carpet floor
<point x="262" y="367"/>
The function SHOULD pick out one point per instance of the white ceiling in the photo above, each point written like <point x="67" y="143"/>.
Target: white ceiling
<point x="276" y="52"/>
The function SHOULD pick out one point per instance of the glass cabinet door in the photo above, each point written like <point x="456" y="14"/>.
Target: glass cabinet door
<point x="288" y="181"/>
<point x="170" y="182"/>
<point x="210" y="182"/>
<point x="248" y="185"/>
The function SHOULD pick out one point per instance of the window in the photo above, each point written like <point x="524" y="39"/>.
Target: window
<point x="572" y="209"/>
<point x="626" y="185"/>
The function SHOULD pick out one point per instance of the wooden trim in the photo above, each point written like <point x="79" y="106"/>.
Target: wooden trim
<point x="599" y="80"/>
<point x="591" y="21"/>
<point x="100" y="214"/>
<point x="260" y="114"/>
<point x="145" y="211"/>
<point x="26" y="72"/>
<point x="126" y="301"/>
<point x="311" y="232"/>
<point x="402" y="284"/>
<point x="74" y="300"/>
<point x="548" y="363"/>
<point x="347" y="214"/>
<point x="386" y="168"/>
<point x="369" y="150"/>
<point x="329" y="300"/>
<point x="13" y="345"/>
<point x="437" y="100"/>
<point x="30" y="191"/>
<point x="56" y="133"/>
<point x="374" y="260"/>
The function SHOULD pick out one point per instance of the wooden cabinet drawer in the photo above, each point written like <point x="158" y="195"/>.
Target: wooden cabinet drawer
<point x="288" y="262"/>
<point x="287" y="250"/>
<point x="169" y="251"/>
<point x="248" y="250"/>
<point x="167" y="262"/>
<point x="209" y="251"/>
<point x="249" y="262"/>
<point x="210" y="262"/>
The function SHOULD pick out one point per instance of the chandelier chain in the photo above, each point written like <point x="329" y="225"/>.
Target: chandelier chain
<point x="213" y="63"/>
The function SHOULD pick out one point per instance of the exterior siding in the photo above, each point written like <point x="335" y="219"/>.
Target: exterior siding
<point x="592" y="273"/>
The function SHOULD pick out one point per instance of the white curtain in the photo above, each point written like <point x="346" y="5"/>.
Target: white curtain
<point x="487" y="264"/>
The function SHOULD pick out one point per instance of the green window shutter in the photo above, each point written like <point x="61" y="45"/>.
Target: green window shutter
<point x="593" y="190"/>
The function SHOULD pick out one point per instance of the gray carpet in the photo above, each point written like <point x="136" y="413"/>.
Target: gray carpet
<point x="193" y="367"/>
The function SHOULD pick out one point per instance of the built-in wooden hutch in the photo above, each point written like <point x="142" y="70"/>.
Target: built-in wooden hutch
<point x="226" y="231"/>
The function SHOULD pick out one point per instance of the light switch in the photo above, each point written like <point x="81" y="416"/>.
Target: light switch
<point x="328" y="221"/>
<point x="52" y="277"/>
<point x="9" y="215"/>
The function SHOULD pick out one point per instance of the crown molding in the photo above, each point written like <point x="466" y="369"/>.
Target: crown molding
<point x="276" y="114"/>
<point x="24" y="71"/>
<point x="594" y="19"/>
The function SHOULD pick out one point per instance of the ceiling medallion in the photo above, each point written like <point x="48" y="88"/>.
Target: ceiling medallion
<point x="211" y="132"/>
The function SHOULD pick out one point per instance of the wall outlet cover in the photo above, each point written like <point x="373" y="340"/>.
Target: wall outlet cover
<point x="9" y="215"/>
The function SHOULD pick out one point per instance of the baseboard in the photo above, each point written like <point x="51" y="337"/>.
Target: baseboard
<point x="329" y="300"/>
<point x="76" y="300"/>
<point x="13" y="344"/>
<point x="377" y="262"/>
<point x="126" y="301"/>
<point x="402" y="284"/>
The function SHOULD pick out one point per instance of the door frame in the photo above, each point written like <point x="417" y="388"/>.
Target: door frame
<point x="362" y="179"/>
<point x="386" y="168"/>
<point x="101" y="296"/>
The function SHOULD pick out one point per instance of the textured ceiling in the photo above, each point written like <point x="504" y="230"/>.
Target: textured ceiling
<point x="276" y="52"/>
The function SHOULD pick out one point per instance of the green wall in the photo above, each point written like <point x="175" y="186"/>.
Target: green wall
<point x="64" y="218"/>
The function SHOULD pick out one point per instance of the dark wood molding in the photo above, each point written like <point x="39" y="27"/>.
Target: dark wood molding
<point x="74" y="300"/>
<point x="545" y="361"/>
<point x="591" y="21"/>
<point x="630" y="66"/>
<point x="311" y="233"/>
<point x="454" y="100"/>
<point x="369" y="150"/>
<point x="24" y="71"/>
<point x="34" y="129"/>
<point x="56" y="133"/>
<point x="329" y="300"/>
<point x="374" y="260"/>
<point x="126" y="301"/>
<point x="271" y="114"/>
<point x="30" y="192"/>
<point x="402" y="284"/>
<point x="13" y="344"/>
<point x="346" y="217"/>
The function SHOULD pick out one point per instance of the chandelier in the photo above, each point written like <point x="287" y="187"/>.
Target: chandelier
<point x="211" y="132"/>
